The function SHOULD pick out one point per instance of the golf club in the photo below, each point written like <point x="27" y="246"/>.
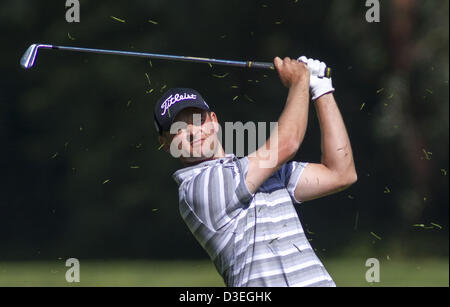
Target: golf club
<point x="29" y="57"/>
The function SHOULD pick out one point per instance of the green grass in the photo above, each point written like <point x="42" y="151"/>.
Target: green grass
<point x="346" y="272"/>
<point x="393" y="273"/>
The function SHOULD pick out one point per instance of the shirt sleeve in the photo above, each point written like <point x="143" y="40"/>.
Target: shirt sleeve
<point x="290" y="174"/>
<point x="218" y="193"/>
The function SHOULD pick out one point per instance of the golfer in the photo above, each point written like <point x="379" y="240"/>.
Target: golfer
<point x="241" y="210"/>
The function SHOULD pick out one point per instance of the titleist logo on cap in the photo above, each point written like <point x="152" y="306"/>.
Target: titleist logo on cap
<point x="174" y="99"/>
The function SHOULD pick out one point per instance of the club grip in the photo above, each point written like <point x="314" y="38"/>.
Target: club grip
<point x="262" y="65"/>
<point x="267" y="65"/>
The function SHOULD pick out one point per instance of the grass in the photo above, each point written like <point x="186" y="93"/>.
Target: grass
<point x="393" y="273"/>
<point x="346" y="272"/>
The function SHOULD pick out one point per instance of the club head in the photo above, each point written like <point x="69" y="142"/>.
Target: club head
<point x="29" y="57"/>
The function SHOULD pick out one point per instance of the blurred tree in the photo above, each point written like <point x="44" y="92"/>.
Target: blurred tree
<point x="81" y="170"/>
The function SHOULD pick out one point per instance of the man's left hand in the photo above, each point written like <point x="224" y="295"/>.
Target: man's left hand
<point x="319" y="85"/>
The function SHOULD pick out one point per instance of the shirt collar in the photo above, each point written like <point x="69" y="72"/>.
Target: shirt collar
<point x="182" y="174"/>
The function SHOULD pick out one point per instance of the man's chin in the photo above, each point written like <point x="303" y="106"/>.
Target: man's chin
<point x="196" y="159"/>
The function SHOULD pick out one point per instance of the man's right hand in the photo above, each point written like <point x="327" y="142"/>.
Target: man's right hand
<point x="292" y="72"/>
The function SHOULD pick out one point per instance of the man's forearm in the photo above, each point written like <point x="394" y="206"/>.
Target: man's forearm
<point x="282" y="145"/>
<point x="336" y="149"/>
<point x="285" y="140"/>
<point x="294" y="118"/>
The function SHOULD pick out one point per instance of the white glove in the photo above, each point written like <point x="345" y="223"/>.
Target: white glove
<point x="319" y="85"/>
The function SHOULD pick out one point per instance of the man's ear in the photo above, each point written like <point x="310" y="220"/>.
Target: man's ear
<point x="213" y="116"/>
<point x="215" y="121"/>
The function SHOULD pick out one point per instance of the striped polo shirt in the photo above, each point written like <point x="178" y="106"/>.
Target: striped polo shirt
<point x="254" y="240"/>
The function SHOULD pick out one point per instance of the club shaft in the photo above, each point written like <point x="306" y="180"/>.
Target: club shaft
<point x="29" y="57"/>
<point x="248" y="64"/>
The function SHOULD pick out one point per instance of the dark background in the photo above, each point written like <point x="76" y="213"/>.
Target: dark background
<point x="75" y="127"/>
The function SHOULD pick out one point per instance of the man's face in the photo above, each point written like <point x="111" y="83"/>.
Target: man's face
<point x="193" y="134"/>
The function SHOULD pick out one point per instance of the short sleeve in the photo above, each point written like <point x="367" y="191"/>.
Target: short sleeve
<point x="218" y="193"/>
<point x="290" y="174"/>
